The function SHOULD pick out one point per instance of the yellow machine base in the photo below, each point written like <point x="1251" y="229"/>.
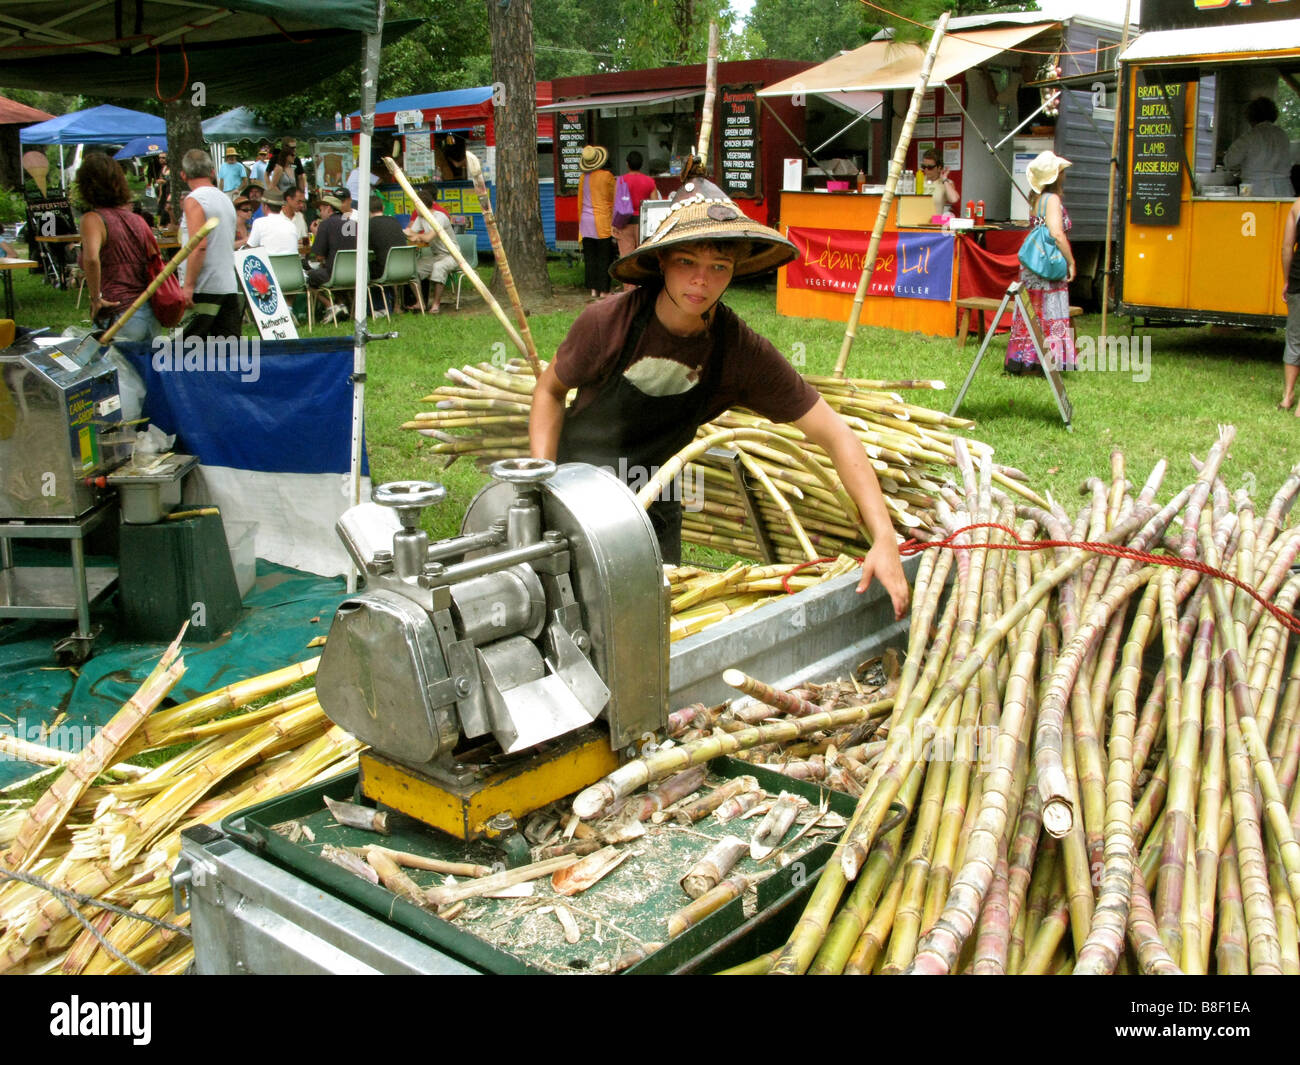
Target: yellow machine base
<point x="464" y="811"/>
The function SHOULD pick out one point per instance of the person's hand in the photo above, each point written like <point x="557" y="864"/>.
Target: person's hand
<point x="187" y="290"/>
<point x="98" y="304"/>
<point x="1069" y="274"/>
<point x="884" y="565"/>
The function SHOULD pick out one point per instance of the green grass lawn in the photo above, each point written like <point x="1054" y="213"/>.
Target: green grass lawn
<point x="1197" y="379"/>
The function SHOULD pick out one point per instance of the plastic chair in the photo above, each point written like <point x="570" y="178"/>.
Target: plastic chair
<point x="343" y="278"/>
<point x="468" y="243"/>
<point x="292" y="279"/>
<point x="399" y="269"/>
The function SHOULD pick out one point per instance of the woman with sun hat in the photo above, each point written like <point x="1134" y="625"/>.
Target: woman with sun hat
<point x="596" y="222"/>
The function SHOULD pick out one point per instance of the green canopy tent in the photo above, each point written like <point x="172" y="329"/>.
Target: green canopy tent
<point x="239" y="50"/>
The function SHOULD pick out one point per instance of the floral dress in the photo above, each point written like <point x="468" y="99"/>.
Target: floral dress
<point x="1051" y="302"/>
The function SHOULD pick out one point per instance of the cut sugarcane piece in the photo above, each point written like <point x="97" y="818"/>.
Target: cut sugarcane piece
<point x="717" y="862"/>
<point x="772" y="829"/>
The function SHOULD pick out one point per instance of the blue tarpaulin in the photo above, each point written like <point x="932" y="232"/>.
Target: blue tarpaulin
<point x="103" y="124"/>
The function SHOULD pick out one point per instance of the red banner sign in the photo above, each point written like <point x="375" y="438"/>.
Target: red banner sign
<point x="908" y="265"/>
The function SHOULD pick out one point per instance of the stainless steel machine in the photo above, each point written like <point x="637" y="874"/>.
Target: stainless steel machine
<point x="60" y="433"/>
<point x="504" y="668"/>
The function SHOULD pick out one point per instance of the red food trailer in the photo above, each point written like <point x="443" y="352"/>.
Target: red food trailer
<point x="658" y="113"/>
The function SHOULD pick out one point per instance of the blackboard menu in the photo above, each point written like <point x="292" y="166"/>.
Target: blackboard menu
<point x="1157" y="155"/>
<point x="571" y="129"/>
<point x="739" y="122"/>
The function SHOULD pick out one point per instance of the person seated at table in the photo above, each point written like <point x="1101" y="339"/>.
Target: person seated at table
<point x="344" y="196"/>
<point x="385" y="234"/>
<point x="435" y="263"/>
<point x="243" y="212"/>
<point x="294" y="209"/>
<point x="943" y="192"/>
<point x="274" y="233"/>
<point x="333" y="235"/>
<point x="254" y="191"/>
<point x="116" y="246"/>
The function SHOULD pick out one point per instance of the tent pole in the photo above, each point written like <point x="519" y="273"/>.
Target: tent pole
<point x="1111" y="173"/>
<point x="369" y="76"/>
<point x="887" y="199"/>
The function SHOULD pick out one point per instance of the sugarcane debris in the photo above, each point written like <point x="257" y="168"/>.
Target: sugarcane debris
<point x="775" y="824"/>
<point x="577" y="878"/>
<point x="353" y="863"/>
<point x="709" y="870"/>
<point x="355" y="816"/>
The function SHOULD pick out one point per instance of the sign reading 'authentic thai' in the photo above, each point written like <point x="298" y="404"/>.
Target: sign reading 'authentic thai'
<point x="1157" y="155"/>
<point x="738" y="117"/>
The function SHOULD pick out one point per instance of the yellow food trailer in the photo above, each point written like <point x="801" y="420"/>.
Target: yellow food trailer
<point x="1200" y="241"/>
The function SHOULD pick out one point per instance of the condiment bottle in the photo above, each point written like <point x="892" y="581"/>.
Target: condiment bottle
<point x="979" y="213"/>
<point x="970" y="208"/>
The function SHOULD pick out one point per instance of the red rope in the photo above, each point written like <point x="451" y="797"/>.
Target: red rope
<point x="915" y="547"/>
<point x="157" y="74"/>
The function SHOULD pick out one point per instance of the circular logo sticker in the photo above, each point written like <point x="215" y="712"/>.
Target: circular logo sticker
<point x="261" y="285"/>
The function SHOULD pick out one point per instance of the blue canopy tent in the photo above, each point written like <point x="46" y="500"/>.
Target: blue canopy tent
<point x="102" y="124"/>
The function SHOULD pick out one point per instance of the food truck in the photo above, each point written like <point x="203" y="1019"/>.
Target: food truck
<point x="433" y="132"/>
<point x="991" y="78"/>
<point x="1200" y="242"/>
<point x="658" y="113"/>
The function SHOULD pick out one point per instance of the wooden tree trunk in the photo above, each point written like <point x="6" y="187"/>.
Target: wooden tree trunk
<point x="183" y="133"/>
<point x="518" y="211"/>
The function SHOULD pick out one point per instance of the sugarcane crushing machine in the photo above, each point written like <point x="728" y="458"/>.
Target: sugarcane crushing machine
<point x="501" y="669"/>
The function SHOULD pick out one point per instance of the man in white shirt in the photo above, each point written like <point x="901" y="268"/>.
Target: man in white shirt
<point x="274" y="232"/>
<point x="295" y="202"/>
<point x="209" y="283"/>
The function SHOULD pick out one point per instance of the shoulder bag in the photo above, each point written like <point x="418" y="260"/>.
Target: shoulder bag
<point x="1039" y="252"/>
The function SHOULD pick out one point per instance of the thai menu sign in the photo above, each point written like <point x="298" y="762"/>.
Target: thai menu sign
<point x="1157" y="155"/>
<point x="915" y="266"/>
<point x="571" y="135"/>
<point x="740" y="159"/>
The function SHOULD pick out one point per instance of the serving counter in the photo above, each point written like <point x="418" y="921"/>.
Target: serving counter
<point x="1223" y="261"/>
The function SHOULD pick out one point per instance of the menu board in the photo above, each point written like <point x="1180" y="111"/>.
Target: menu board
<point x="1158" y="155"/>
<point x="740" y="160"/>
<point x="571" y="132"/>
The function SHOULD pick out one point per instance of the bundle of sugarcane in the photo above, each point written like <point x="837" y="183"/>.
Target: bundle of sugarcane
<point x="1046" y="800"/>
<point x="792" y="487"/>
<point x="701" y="598"/>
<point x="118" y="842"/>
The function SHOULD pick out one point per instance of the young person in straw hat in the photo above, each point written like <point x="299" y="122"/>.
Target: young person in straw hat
<point x="654" y="364"/>
<point x="596" y="222"/>
<point x="1050" y="299"/>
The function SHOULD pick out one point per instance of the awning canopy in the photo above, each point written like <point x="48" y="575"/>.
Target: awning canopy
<point x="241" y="51"/>
<point x="138" y="146"/>
<point x="12" y="113"/>
<point x="856" y="103"/>
<point x="105" y="123"/>
<point x="883" y="65"/>
<point x="1243" y="41"/>
<point x="622" y="99"/>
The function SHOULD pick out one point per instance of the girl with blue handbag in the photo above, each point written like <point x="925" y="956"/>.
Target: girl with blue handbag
<point x="1046" y="249"/>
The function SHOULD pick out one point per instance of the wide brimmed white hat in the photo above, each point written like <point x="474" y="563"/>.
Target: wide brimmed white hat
<point x="1045" y="169"/>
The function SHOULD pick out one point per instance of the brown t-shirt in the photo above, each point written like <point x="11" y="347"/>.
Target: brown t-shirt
<point x="754" y="374"/>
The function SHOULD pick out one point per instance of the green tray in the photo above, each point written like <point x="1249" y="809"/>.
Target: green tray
<point x="508" y="935"/>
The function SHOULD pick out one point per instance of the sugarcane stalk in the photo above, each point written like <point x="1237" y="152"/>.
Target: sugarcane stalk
<point x="710" y="902"/>
<point x="453" y="249"/>
<point x="49" y="811"/>
<point x="1230" y="953"/>
<point x="475" y="171"/>
<point x="710" y="91"/>
<point x="641" y="771"/>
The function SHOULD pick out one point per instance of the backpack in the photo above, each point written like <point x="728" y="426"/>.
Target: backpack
<point x="624" y="212"/>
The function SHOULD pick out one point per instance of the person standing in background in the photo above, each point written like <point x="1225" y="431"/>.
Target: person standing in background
<point x="1050" y="299"/>
<point x="1291" y="297"/>
<point x="232" y="174"/>
<point x="943" y="191"/>
<point x="209" y="285"/>
<point x="1262" y="155"/>
<point x="639" y="187"/>
<point x="595" y="224"/>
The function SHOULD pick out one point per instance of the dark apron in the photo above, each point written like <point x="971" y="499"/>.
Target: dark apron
<point x="633" y="434"/>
